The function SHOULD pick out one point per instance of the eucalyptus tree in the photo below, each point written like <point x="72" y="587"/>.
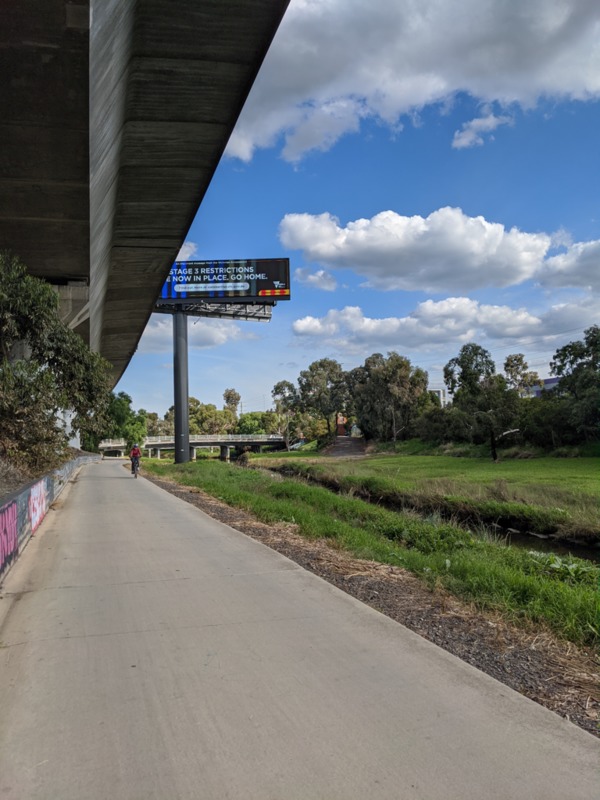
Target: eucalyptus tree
<point x="577" y="364"/>
<point x="232" y="399"/>
<point x="386" y="395"/>
<point x="465" y="374"/>
<point x="519" y="376"/>
<point x="323" y="390"/>
<point x="478" y="391"/>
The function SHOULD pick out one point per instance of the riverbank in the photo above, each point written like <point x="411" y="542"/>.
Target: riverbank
<point x="547" y="498"/>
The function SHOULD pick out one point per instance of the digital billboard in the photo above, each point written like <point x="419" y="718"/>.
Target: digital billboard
<point x="244" y="281"/>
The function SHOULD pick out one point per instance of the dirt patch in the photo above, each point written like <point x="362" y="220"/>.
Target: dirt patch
<point x="556" y="674"/>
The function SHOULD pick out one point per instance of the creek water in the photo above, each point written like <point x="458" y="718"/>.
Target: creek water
<point x="546" y="544"/>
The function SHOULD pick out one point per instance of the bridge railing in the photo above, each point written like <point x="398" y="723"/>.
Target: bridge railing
<point x="196" y="439"/>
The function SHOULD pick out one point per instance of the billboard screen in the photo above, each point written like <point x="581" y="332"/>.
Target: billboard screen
<point x="245" y="281"/>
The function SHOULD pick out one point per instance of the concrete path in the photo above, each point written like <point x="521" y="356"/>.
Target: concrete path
<point x="147" y="651"/>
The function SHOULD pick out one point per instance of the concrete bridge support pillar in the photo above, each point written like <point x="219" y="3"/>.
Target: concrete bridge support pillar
<point x="193" y="453"/>
<point x="224" y="456"/>
<point x="180" y="375"/>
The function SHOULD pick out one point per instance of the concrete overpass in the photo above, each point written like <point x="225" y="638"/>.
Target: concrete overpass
<point x="225" y="441"/>
<point x="115" y="114"/>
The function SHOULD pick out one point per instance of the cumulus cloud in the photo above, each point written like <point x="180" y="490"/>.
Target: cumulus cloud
<point x="317" y="280"/>
<point x="188" y="250"/>
<point x="334" y="63"/>
<point x="578" y="266"/>
<point x="439" y="325"/>
<point x="446" y="251"/>
<point x="202" y="334"/>
<point x="473" y="132"/>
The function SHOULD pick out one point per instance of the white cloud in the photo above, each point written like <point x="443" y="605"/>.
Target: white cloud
<point x="442" y="325"/>
<point x="446" y="251"/>
<point x="188" y="250"/>
<point x="317" y="280"/>
<point x="333" y="63"/>
<point x="203" y="333"/>
<point x="578" y="266"/>
<point x="472" y="133"/>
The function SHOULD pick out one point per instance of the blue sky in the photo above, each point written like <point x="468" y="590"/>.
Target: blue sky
<point x="432" y="172"/>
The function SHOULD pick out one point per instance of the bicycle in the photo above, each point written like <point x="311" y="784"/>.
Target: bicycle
<point x="135" y="466"/>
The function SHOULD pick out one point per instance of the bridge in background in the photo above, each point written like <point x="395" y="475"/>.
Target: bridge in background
<point x="114" y="118"/>
<point x="154" y="445"/>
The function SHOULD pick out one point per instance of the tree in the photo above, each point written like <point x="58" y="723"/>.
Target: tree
<point x="464" y="374"/>
<point x="478" y="391"/>
<point x="204" y="418"/>
<point x="231" y="398"/>
<point x="123" y="422"/>
<point x="285" y="397"/>
<point x="386" y="395"/>
<point x="323" y="390"/>
<point x="46" y="369"/>
<point x="250" y="423"/>
<point x="577" y="364"/>
<point x="519" y="376"/>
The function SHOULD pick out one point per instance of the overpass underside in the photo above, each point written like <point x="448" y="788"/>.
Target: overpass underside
<point x="115" y="116"/>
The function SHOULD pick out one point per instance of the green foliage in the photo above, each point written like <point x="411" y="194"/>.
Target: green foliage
<point x="578" y="366"/>
<point x="46" y="370"/>
<point x="251" y="423"/>
<point x="285" y="396"/>
<point x="123" y="422"/>
<point x="232" y="399"/>
<point x="518" y="375"/>
<point x="465" y="374"/>
<point x="568" y="569"/>
<point x="387" y="394"/>
<point x="28" y="308"/>
<point x="323" y="390"/>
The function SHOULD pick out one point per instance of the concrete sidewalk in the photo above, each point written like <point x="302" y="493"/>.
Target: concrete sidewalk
<point x="148" y="651"/>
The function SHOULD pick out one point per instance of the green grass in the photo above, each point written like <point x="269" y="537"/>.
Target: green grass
<point x="546" y="495"/>
<point x="519" y="584"/>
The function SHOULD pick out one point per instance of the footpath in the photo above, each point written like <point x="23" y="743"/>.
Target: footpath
<point x="149" y="651"/>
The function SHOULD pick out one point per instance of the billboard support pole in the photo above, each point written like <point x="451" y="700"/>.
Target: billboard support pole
<point x="180" y="373"/>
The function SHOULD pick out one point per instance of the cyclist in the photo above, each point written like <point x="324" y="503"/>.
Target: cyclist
<point x="135" y="456"/>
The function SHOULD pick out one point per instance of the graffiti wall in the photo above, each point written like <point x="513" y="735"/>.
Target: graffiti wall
<point x="38" y="504"/>
<point x="22" y="513"/>
<point x="9" y="535"/>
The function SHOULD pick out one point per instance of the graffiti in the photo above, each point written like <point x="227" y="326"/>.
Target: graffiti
<point x="21" y="517"/>
<point x="37" y="504"/>
<point x="9" y="539"/>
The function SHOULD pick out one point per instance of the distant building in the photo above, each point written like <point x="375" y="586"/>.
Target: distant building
<point x="547" y="384"/>
<point x="441" y="394"/>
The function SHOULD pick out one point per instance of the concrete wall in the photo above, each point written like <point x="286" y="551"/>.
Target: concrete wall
<point x="22" y="512"/>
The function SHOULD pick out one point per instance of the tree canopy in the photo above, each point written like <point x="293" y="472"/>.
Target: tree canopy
<point x="323" y="390"/>
<point x="47" y="373"/>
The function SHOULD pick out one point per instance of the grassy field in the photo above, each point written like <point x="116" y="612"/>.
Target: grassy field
<point x="537" y="588"/>
<point x="550" y="496"/>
